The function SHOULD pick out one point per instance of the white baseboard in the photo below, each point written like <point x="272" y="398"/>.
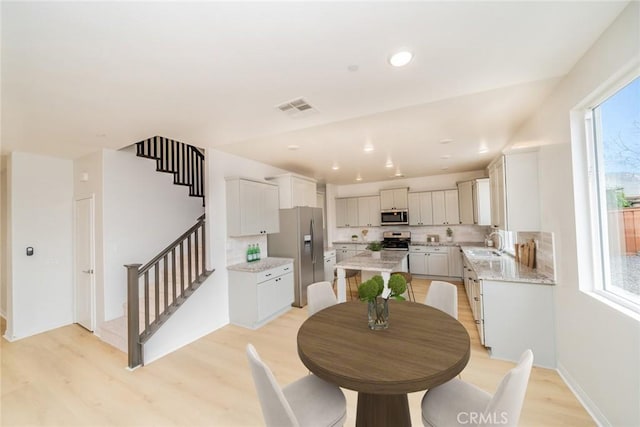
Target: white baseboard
<point x="583" y="398"/>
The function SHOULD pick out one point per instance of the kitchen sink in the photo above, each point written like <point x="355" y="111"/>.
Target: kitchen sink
<point x="484" y="253"/>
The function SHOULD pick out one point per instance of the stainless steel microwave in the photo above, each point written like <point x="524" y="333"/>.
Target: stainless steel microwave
<point x="394" y="217"/>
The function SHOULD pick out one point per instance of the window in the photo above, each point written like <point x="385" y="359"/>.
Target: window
<point x="613" y="140"/>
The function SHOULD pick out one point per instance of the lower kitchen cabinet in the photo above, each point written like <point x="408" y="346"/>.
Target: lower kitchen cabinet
<point x="348" y="250"/>
<point x="429" y="261"/>
<point x="518" y="316"/>
<point x="255" y="298"/>
<point x="329" y="265"/>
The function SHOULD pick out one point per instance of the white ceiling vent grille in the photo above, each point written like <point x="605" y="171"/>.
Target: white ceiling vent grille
<point x="296" y="107"/>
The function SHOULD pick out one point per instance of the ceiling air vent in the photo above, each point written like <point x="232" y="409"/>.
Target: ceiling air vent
<point x="296" y="107"/>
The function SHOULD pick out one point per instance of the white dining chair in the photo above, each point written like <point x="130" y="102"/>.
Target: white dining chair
<point x="308" y="401"/>
<point x="320" y="295"/>
<point x="458" y="403"/>
<point x="443" y="296"/>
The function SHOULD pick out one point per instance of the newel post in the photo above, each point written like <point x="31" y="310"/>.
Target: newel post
<point x="133" y="320"/>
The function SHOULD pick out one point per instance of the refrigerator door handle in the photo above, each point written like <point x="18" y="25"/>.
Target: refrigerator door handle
<point x="313" y="255"/>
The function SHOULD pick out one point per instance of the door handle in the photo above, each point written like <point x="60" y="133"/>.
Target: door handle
<point x="90" y="271"/>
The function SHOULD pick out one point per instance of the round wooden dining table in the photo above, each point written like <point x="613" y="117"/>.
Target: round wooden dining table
<point x="423" y="347"/>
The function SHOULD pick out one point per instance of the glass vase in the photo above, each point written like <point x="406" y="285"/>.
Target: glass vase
<point x="378" y="311"/>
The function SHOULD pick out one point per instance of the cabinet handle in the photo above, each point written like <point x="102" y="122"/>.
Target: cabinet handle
<point x="477" y="322"/>
<point x="476" y="298"/>
<point x="267" y="275"/>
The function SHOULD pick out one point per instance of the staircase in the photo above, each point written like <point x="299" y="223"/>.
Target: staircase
<point x="184" y="161"/>
<point x="158" y="289"/>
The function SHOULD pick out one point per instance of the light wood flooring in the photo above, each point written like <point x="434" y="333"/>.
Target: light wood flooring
<point x="68" y="377"/>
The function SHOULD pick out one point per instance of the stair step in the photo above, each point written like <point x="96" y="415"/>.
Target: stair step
<point x="114" y="333"/>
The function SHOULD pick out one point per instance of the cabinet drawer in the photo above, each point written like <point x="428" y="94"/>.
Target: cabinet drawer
<point x="274" y="272"/>
<point x="346" y="246"/>
<point x="418" y="249"/>
<point x="437" y="249"/>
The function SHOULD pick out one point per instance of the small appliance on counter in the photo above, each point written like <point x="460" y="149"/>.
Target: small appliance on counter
<point x="433" y="238"/>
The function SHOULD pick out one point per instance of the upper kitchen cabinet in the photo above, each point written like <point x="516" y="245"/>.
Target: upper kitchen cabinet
<point x="420" y="208"/>
<point x="295" y="190"/>
<point x="394" y="199"/>
<point x="445" y="207"/>
<point x="474" y="202"/>
<point x="252" y="207"/>
<point x="515" y="204"/>
<point x="347" y="212"/>
<point x="369" y="211"/>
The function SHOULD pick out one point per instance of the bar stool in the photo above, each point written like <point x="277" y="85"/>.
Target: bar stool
<point x="348" y="275"/>
<point x="407" y="277"/>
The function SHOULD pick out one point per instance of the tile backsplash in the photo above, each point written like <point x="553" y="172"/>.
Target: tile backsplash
<point x="545" y="250"/>
<point x="237" y="248"/>
<point x="461" y="233"/>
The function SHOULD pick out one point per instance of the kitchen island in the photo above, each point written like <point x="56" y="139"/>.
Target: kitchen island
<point x="388" y="262"/>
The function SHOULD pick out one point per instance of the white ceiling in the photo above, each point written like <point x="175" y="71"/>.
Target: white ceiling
<point x="79" y="76"/>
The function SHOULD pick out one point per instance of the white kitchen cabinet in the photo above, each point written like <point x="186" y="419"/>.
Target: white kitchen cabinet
<point x="252" y="207"/>
<point x="515" y="200"/>
<point x="396" y="198"/>
<point x="347" y="212"/>
<point x="420" y="208"/>
<point x="329" y="265"/>
<point x="445" y="207"/>
<point x="295" y="190"/>
<point x="455" y="262"/>
<point x="518" y="316"/>
<point x="481" y="202"/>
<point x="348" y="250"/>
<point x="255" y="298"/>
<point x="474" y="202"/>
<point x="429" y="260"/>
<point x="465" y="202"/>
<point x="369" y="211"/>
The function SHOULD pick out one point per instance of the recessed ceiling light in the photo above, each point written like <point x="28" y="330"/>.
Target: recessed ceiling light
<point x="445" y="156"/>
<point x="483" y="150"/>
<point x="400" y="59"/>
<point x="398" y="173"/>
<point x="446" y="141"/>
<point x="389" y="164"/>
<point x="293" y="147"/>
<point x="358" y="178"/>
<point x="368" y="148"/>
<point x="335" y="167"/>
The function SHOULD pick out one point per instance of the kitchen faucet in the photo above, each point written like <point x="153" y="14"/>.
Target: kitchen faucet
<point x="500" y="240"/>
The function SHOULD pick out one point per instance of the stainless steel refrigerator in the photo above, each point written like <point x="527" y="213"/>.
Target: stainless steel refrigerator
<point x="300" y="238"/>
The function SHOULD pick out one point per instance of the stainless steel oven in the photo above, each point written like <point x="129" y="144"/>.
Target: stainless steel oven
<point x="394" y="217"/>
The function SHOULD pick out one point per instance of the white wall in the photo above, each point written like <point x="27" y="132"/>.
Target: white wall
<point x="143" y="212"/>
<point x="208" y="309"/>
<point x="91" y="165"/>
<point x="41" y="286"/>
<point x="598" y="347"/>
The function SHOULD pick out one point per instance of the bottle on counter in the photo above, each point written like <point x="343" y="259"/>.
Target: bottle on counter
<point x="258" y="256"/>
<point x="248" y="253"/>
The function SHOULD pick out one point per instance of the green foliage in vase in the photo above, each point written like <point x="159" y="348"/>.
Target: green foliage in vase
<point x="372" y="288"/>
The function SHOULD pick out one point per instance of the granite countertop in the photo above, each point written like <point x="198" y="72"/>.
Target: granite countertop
<point x="503" y="268"/>
<point x="259" y="266"/>
<point x="423" y="243"/>
<point x="359" y="242"/>
<point x="388" y="261"/>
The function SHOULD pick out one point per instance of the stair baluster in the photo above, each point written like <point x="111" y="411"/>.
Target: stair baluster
<point x="137" y="277"/>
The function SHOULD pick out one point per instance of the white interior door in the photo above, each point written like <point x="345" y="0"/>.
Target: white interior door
<point x="84" y="264"/>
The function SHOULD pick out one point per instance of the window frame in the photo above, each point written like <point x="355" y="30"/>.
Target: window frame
<point x="596" y="211"/>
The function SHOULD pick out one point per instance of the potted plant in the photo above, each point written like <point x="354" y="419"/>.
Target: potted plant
<point x="354" y="237"/>
<point x="377" y="296"/>
<point x="375" y="248"/>
<point x="449" y="234"/>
